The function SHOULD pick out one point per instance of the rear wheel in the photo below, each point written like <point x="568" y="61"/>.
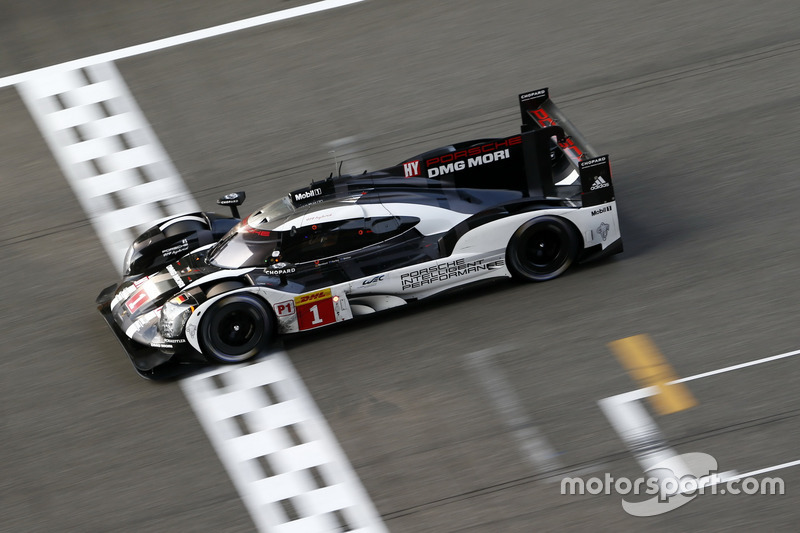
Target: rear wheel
<point x="236" y="328"/>
<point x="542" y="249"/>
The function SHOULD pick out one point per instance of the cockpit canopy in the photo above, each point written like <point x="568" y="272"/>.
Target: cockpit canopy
<point x="269" y="235"/>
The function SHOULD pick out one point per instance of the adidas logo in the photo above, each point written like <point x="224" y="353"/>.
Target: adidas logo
<point x="599" y="183"/>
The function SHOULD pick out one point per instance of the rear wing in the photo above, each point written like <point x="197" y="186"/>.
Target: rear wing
<point x="542" y="118"/>
<point x="539" y="112"/>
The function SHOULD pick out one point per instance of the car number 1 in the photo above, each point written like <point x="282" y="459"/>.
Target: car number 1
<point x="315" y="309"/>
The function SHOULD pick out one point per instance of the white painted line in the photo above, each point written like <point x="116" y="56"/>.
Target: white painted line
<point x="184" y="38"/>
<point x="282" y="457"/>
<point x="111" y="157"/>
<point x="639" y="432"/>
<point x="531" y="440"/>
<point x="644" y="439"/>
<point x="764" y="470"/>
<point x="737" y="367"/>
<point x="631" y="396"/>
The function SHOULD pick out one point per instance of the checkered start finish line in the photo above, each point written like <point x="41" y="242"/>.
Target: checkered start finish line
<point x="112" y="159"/>
<point x="269" y="434"/>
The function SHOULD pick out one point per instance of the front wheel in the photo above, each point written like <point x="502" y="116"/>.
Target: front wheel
<point x="236" y="328"/>
<point x="542" y="249"/>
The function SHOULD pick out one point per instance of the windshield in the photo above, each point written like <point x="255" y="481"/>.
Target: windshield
<point x="272" y="214"/>
<point x="245" y="246"/>
<point x="252" y="243"/>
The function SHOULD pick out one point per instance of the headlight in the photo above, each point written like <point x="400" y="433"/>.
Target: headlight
<point x="174" y="315"/>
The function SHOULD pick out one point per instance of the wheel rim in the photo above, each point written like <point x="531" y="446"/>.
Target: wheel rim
<point x="236" y="329"/>
<point x="544" y="249"/>
<point x="235" y="334"/>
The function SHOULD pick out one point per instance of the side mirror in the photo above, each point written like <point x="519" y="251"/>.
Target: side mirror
<point x="233" y="200"/>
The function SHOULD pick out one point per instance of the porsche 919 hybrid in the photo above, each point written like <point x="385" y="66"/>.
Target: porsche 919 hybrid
<point x="209" y="288"/>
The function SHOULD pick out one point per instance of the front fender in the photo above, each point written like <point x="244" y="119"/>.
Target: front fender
<point x="172" y="238"/>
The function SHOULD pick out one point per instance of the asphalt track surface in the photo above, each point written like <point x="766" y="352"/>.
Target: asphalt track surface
<point x="695" y="101"/>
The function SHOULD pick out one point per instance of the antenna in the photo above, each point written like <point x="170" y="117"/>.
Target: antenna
<point x="334" y="161"/>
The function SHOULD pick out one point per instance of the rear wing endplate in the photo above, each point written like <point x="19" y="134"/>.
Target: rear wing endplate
<point x="596" y="185"/>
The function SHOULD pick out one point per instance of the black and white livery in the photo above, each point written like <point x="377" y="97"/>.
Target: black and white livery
<point x="204" y="287"/>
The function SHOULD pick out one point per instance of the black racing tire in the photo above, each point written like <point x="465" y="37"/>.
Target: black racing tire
<point x="236" y="328"/>
<point x="542" y="249"/>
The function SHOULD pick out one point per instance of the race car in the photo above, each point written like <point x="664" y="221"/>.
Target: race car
<point x="209" y="288"/>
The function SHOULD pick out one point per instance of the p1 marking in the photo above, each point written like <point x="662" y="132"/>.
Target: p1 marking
<point x="640" y="356"/>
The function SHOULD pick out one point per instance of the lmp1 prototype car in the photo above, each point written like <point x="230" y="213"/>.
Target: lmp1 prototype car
<point x="207" y="288"/>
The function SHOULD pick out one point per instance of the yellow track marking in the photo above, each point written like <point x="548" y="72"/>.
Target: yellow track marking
<point x="641" y="358"/>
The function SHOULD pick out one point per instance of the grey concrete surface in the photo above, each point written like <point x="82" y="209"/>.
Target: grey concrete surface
<point x="695" y="101"/>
